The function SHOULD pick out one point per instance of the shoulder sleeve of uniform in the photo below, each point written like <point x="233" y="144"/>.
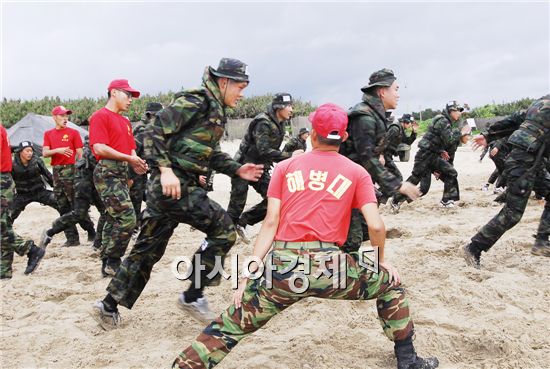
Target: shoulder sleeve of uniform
<point x="177" y="115"/>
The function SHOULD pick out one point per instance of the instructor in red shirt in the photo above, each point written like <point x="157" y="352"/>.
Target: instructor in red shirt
<point x="113" y="144"/>
<point x="310" y="198"/>
<point x="64" y="146"/>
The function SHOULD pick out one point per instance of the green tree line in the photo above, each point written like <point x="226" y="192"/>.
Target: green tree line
<point x="11" y="111"/>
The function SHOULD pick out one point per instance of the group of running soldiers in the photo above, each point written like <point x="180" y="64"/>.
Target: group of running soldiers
<point x="175" y="150"/>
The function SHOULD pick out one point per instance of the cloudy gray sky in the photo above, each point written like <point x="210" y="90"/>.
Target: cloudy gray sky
<point x="471" y="51"/>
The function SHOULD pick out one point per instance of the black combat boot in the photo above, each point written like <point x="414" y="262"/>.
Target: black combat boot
<point x="407" y="358"/>
<point x="35" y="255"/>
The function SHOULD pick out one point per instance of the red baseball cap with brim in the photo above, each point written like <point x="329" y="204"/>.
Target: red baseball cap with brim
<point x="60" y="110"/>
<point x="122" y="84"/>
<point x="330" y="121"/>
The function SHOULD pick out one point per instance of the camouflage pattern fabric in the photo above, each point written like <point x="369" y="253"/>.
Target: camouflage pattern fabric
<point x="63" y="188"/>
<point x="367" y="141"/>
<point x="161" y="216"/>
<point x="184" y="136"/>
<point x="260" y="146"/>
<point x="237" y="202"/>
<point x="295" y="143"/>
<point x="524" y="173"/>
<point x="137" y="190"/>
<point x="11" y="242"/>
<point x="45" y="197"/>
<point x="441" y="136"/>
<point x="111" y="183"/>
<point x="520" y="182"/>
<point x="30" y="178"/>
<point x="260" y="303"/>
<point x="85" y="196"/>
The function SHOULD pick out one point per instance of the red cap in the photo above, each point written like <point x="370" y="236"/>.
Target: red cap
<point x="60" y="110"/>
<point x="330" y="121"/>
<point x="122" y="84"/>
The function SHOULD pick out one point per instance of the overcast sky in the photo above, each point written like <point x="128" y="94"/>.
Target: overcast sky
<point x="322" y="52"/>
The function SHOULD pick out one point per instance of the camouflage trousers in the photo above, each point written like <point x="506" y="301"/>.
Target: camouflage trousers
<point x="111" y="183"/>
<point x="85" y="195"/>
<point x="261" y="302"/>
<point x="161" y="216"/>
<point x="357" y="233"/>
<point x="137" y="195"/>
<point x="426" y="163"/>
<point x="237" y="201"/>
<point x="63" y="188"/>
<point x="391" y="167"/>
<point x="11" y="242"/>
<point x="520" y="182"/>
<point x="45" y="197"/>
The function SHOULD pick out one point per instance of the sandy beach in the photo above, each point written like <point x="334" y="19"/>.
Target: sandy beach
<point x="497" y="317"/>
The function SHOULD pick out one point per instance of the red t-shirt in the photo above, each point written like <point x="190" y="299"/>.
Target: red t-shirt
<point x="5" y="151"/>
<point x="111" y="129"/>
<point x="317" y="192"/>
<point x="65" y="137"/>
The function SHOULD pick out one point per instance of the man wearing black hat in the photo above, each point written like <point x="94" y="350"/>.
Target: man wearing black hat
<point x="395" y="136"/>
<point x="433" y="154"/>
<point x="10" y="241"/>
<point x="138" y="181"/>
<point x="260" y="145"/>
<point x="298" y="142"/>
<point x="30" y="175"/>
<point x="367" y="141"/>
<point x="181" y="144"/>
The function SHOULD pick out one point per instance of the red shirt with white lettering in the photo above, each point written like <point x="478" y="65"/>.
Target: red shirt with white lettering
<point x="317" y="192"/>
<point x="64" y="137"/>
<point x="111" y="129"/>
<point x="5" y="151"/>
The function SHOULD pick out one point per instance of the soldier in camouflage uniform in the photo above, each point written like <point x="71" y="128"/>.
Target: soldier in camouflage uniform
<point x="30" y="174"/>
<point x="181" y="145"/>
<point x="396" y="135"/>
<point x="298" y="142"/>
<point x="526" y="171"/>
<point x="433" y="155"/>
<point x="64" y="145"/>
<point x="85" y="196"/>
<point x="261" y="145"/>
<point x="367" y="141"/>
<point x="113" y="144"/>
<point x="11" y="242"/>
<point x="137" y="189"/>
<point x="257" y="301"/>
<point x="499" y="148"/>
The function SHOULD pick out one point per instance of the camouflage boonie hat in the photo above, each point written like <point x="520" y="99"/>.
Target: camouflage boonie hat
<point x="153" y="107"/>
<point x="383" y="77"/>
<point x="281" y="100"/>
<point x="231" y="68"/>
<point x="406" y="118"/>
<point x="454" y="105"/>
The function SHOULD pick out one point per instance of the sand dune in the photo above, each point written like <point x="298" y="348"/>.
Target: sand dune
<point x="497" y="317"/>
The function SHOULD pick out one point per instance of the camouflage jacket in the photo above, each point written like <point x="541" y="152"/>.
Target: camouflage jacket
<point x="505" y="127"/>
<point x="367" y="140"/>
<point x="262" y="141"/>
<point x="139" y="131"/>
<point x="295" y="143"/>
<point x="441" y="135"/>
<point x="30" y="178"/>
<point x="396" y="135"/>
<point x="535" y="130"/>
<point x="186" y="135"/>
<point x="86" y="164"/>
